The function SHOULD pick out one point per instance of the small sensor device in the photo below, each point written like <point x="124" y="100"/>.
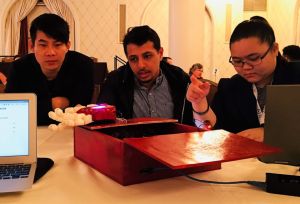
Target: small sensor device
<point x="100" y="112"/>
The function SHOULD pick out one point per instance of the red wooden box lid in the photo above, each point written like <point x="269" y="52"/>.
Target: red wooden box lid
<point x="128" y="122"/>
<point x="184" y="150"/>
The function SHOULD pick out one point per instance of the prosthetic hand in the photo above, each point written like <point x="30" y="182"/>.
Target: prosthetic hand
<point x="82" y="115"/>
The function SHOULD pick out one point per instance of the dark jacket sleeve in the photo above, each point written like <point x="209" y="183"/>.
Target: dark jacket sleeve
<point x="25" y="77"/>
<point x="235" y="105"/>
<point x="83" y="90"/>
<point x="179" y="81"/>
<point x="13" y="81"/>
<point x="108" y="89"/>
<point x="75" y="79"/>
<point x="117" y="90"/>
<point x="287" y="72"/>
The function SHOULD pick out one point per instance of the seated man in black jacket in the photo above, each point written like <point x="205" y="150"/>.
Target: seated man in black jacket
<point x="59" y="77"/>
<point x="147" y="86"/>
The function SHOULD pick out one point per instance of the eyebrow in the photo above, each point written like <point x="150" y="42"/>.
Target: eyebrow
<point x="148" y="52"/>
<point x="42" y="40"/>
<point x="251" y="54"/>
<point x="129" y="56"/>
<point x="46" y="41"/>
<point x="144" y="53"/>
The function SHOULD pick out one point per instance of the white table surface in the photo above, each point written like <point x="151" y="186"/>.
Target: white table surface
<point x="72" y="181"/>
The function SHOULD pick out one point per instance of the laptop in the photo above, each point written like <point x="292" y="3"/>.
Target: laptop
<point x="282" y="123"/>
<point x="18" y="155"/>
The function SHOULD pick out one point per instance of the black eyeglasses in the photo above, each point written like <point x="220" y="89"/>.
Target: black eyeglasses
<point x="252" y="60"/>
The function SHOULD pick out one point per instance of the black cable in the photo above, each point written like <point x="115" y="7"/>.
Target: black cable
<point x="259" y="184"/>
<point x="213" y="182"/>
<point x="184" y="102"/>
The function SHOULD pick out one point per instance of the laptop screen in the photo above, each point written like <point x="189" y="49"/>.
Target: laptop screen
<point x="282" y="127"/>
<point x="14" y="126"/>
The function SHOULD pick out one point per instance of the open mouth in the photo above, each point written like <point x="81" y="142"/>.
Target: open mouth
<point x="143" y="74"/>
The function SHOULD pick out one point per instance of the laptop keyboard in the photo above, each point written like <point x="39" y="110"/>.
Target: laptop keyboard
<point x="14" y="171"/>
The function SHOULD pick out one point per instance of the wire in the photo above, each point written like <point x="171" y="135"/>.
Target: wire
<point x="214" y="182"/>
<point x="259" y="184"/>
<point x="183" y="106"/>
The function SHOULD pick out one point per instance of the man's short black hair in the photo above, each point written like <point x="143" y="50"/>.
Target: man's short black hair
<point x="52" y="25"/>
<point x="292" y="52"/>
<point x="139" y="35"/>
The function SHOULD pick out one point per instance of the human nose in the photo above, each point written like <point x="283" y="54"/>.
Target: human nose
<point x="50" y="50"/>
<point x="246" y="65"/>
<point x="141" y="63"/>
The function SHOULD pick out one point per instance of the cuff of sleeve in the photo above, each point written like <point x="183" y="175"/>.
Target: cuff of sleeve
<point x="205" y="125"/>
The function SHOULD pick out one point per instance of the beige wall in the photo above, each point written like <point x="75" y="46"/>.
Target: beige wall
<point x="186" y="32"/>
<point x="97" y="24"/>
<point x="97" y="28"/>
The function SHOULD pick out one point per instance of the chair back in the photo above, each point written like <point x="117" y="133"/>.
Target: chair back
<point x="212" y="91"/>
<point x="99" y="73"/>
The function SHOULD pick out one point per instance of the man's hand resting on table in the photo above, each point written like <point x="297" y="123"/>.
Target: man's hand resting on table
<point x="60" y="102"/>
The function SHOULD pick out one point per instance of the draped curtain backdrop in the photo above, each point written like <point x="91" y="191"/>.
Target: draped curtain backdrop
<point x="60" y="8"/>
<point x="298" y="26"/>
<point x="20" y="10"/>
<point x="13" y="23"/>
<point x="23" y="44"/>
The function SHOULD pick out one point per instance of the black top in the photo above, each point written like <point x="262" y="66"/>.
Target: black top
<point x="118" y="90"/>
<point x="235" y="104"/>
<point x="74" y="81"/>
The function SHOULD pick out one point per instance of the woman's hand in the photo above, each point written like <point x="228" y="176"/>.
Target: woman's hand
<point x="197" y="90"/>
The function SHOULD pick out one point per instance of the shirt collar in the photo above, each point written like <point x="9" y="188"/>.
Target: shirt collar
<point x="158" y="81"/>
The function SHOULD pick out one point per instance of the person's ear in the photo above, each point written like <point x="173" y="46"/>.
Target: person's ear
<point x="68" y="45"/>
<point x="275" y="48"/>
<point x="161" y="53"/>
<point x="31" y="45"/>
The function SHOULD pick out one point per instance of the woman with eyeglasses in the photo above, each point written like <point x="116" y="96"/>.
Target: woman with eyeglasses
<point x="239" y="104"/>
